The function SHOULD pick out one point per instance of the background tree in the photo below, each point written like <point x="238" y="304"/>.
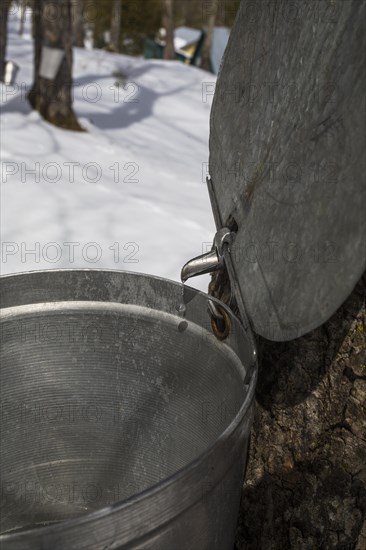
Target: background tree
<point x="37" y="31"/>
<point x="195" y="13"/>
<point x="78" y="22"/>
<point x="190" y="14"/>
<point x="23" y="7"/>
<point x="168" y="25"/>
<point x="207" y="45"/>
<point x="114" y="45"/>
<point x="141" y="19"/>
<point x="4" y="10"/>
<point x="53" y="98"/>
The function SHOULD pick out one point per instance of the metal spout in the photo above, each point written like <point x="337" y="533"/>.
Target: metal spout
<point x="212" y="261"/>
<point x="200" y="265"/>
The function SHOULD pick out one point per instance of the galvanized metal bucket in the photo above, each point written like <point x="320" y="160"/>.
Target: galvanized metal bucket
<point x="11" y="70"/>
<point x="125" y="422"/>
<point x="51" y="62"/>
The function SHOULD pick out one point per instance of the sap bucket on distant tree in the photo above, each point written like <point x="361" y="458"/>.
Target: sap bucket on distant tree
<point x="11" y="70"/>
<point x="51" y="62"/>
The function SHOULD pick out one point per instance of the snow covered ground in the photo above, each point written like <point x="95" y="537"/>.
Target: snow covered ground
<point x="129" y="193"/>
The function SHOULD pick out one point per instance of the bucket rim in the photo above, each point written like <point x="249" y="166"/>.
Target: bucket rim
<point x="179" y="476"/>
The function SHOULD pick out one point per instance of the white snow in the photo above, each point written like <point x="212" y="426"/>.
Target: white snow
<point x="135" y="197"/>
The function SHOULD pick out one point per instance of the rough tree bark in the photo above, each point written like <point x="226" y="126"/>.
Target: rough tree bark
<point x="53" y="98"/>
<point x="78" y="22"/>
<point x="4" y="9"/>
<point x="116" y="25"/>
<point x="168" y="25"/>
<point x="305" y="485"/>
<point x="207" y="46"/>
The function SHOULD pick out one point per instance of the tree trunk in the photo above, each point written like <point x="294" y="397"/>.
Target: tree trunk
<point x="305" y="486"/>
<point x="78" y="23"/>
<point x="4" y="9"/>
<point x="116" y="26"/>
<point x="53" y="98"/>
<point x="37" y="33"/>
<point x="35" y="9"/>
<point x="23" y="7"/>
<point x="305" y="480"/>
<point x="207" y="46"/>
<point x="192" y="12"/>
<point x="168" y="25"/>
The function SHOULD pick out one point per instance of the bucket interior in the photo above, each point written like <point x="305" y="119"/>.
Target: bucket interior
<point x="102" y="401"/>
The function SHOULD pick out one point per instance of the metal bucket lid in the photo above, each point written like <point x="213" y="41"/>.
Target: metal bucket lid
<point x="287" y="161"/>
